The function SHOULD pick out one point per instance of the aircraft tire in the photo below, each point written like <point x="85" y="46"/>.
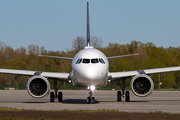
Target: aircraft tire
<point x="127" y="96"/>
<point x="52" y="97"/>
<point x="88" y="100"/>
<point x="92" y="100"/>
<point x="60" y="97"/>
<point x="118" y="96"/>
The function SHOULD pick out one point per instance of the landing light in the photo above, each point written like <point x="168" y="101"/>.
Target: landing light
<point x="92" y="87"/>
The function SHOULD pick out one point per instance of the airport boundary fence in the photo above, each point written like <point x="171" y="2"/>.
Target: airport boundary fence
<point x="71" y="87"/>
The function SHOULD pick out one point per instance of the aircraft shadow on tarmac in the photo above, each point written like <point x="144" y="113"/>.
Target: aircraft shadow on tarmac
<point x="34" y="102"/>
<point x="138" y="101"/>
<point x="124" y="101"/>
<point x="77" y="101"/>
<point x="83" y="101"/>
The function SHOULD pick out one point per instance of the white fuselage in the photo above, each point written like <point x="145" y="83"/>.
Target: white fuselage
<point x="90" y="67"/>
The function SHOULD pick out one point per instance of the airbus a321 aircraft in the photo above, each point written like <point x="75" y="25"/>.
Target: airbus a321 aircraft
<point x="89" y="69"/>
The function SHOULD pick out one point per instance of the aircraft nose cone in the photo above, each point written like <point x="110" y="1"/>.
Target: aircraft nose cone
<point x="92" y="74"/>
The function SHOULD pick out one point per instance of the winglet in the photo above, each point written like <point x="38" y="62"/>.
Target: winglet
<point x="88" y="27"/>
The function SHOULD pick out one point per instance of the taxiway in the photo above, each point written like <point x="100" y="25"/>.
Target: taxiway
<point x="158" y="101"/>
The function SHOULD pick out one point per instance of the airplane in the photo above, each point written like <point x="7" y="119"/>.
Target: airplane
<point x="90" y="68"/>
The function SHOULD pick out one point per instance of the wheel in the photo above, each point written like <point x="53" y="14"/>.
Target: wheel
<point x="88" y="100"/>
<point x="52" y="97"/>
<point x="118" y="95"/>
<point x="127" y="96"/>
<point x="60" y="97"/>
<point x="92" y="100"/>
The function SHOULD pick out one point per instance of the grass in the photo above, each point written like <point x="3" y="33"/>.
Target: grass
<point x="22" y="114"/>
<point x="16" y="110"/>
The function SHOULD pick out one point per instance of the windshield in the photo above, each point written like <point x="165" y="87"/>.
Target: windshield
<point x="94" y="60"/>
<point x="86" y="60"/>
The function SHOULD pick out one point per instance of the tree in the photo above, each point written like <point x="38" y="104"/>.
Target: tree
<point x="21" y="52"/>
<point x="150" y="57"/>
<point x="133" y="46"/>
<point x="33" y="49"/>
<point x="78" y="44"/>
<point x="96" y="42"/>
<point x="43" y="50"/>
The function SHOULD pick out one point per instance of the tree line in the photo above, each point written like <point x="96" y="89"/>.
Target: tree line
<point x="150" y="56"/>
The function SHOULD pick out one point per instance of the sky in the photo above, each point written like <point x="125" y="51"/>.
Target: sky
<point x="54" y="24"/>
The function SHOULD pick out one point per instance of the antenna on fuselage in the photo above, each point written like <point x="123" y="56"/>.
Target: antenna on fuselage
<point x="88" y="27"/>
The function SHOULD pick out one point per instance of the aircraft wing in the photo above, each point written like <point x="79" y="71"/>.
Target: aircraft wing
<point x="63" y="76"/>
<point x="121" y="56"/>
<point x="116" y="75"/>
<point x="65" y="58"/>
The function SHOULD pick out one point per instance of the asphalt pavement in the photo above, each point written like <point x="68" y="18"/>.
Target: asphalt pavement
<point x="158" y="101"/>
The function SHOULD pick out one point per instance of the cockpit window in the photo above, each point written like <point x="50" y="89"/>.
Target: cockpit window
<point x="86" y="60"/>
<point x="79" y="61"/>
<point x="94" y="60"/>
<point x="101" y="60"/>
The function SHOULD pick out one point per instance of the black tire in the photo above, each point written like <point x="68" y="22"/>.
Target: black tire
<point x="118" y="96"/>
<point x="127" y="96"/>
<point x="52" y="97"/>
<point x="92" y="100"/>
<point x="88" y="100"/>
<point x="60" y="97"/>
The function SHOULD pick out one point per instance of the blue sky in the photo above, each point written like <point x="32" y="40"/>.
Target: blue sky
<point x="55" y="23"/>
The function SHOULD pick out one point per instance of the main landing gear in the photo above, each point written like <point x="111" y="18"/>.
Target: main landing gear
<point x="124" y="94"/>
<point x="56" y="94"/>
<point x="90" y="99"/>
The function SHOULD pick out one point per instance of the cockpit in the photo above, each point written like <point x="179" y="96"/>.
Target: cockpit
<point x="87" y="61"/>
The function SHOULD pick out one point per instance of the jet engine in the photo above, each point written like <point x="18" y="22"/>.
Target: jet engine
<point x="142" y="85"/>
<point x="38" y="86"/>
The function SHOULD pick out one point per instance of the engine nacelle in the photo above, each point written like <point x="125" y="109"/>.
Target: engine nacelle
<point x="142" y="85"/>
<point x="38" y="86"/>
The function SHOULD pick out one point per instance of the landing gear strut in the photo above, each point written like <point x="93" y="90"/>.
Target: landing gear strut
<point x="90" y="99"/>
<point x="124" y="94"/>
<point x="55" y="94"/>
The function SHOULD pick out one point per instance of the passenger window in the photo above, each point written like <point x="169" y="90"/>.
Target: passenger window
<point x="86" y="60"/>
<point x="94" y="60"/>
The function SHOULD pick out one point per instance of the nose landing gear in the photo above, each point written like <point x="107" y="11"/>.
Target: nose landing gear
<point x="90" y="99"/>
